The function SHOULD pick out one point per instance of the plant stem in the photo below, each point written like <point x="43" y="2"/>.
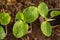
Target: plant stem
<point x="30" y="29"/>
<point x="50" y="17"/>
<point x="6" y="29"/>
<point x="46" y="18"/>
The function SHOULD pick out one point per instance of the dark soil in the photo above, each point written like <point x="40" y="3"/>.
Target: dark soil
<point x="13" y="6"/>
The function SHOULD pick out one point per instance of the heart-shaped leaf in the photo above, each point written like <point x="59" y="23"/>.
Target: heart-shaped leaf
<point x="43" y="9"/>
<point x="20" y="29"/>
<point x="5" y="18"/>
<point x="2" y="33"/>
<point x="46" y="28"/>
<point x="30" y="14"/>
<point x="20" y="16"/>
<point x="55" y="13"/>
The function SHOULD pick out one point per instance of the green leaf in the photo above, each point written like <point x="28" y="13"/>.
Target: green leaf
<point x="43" y="9"/>
<point x="2" y="33"/>
<point x="30" y="14"/>
<point x="20" y="16"/>
<point x="46" y="28"/>
<point x="5" y="18"/>
<point x="20" y="29"/>
<point x="1" y="39"/>
<point x="55" y="13"/>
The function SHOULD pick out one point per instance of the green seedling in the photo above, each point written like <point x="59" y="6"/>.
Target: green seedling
<point x="30" y="14"/>
<point x="20" y="16"/>
<point x="20" y="27"/>
<point x="4" y="20"/>
<point x="43" y="9"/>
<point x="45" y="26"/>
<point x="2" y="33"/>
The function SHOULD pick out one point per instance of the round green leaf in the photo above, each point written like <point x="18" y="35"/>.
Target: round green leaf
<point x="20" y="29"/>
<point x="46" y="29"/>
<point x="30" y="14"/>
<point x="55" y="13"/>
<point x="43" y="9"/>
<point x="5" y="18"/>
<point x="19" y="16"/>
<point x="2" y="33"/>
<point x="1" y="39"/>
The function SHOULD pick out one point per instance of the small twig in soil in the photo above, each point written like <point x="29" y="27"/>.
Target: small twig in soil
<point x="35" y="38"/>
<point x="22" y="39"/>
<point x="56" y="26"/>
<point x="28" y="37"/>
<point x="54" y="9"/>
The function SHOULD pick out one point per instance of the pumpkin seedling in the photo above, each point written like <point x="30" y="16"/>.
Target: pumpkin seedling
<point x="20" y="16"/>
<point x="45" y="26"/>
<point x="2" y="33"/>
<point x="4" y="20"/>
<point x="29" y="15"/>
<point x="20" y="28"/>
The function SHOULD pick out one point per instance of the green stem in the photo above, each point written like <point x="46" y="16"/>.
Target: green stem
<point x="50" y="17"/>
<point x="46" y="18"/>
<point x="30" y="29"/>
<point x="6" y="29"/>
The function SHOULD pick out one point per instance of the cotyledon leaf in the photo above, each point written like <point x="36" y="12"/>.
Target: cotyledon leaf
<point x="20" y="29"/>
<point x="43" y="9"/>
<point x="46" y="28"/>
<point x="30" y="14"/>
<point x="5" y="18"/>
<point x="2" y="33"/>
<point x="55" y="13"/>
<point x="1" y="39"/>
<point x="20" y="16"/>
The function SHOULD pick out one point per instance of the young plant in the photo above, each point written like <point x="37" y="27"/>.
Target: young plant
<point x="20" y="16"/>
<point x="20" y="27"/>
<point x="45" y="26"/>
<point x="2" y="33"/>
<point x="30" y="14"/>
<point x="4" y="20"/>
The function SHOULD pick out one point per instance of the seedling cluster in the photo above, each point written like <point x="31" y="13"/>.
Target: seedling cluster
<point x="4" y="20"/>
<point x="29" y="15"/>
<point x="46" y="28"/>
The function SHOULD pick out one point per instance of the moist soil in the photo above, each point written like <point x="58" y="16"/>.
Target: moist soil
<point x="13" y="6"/>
